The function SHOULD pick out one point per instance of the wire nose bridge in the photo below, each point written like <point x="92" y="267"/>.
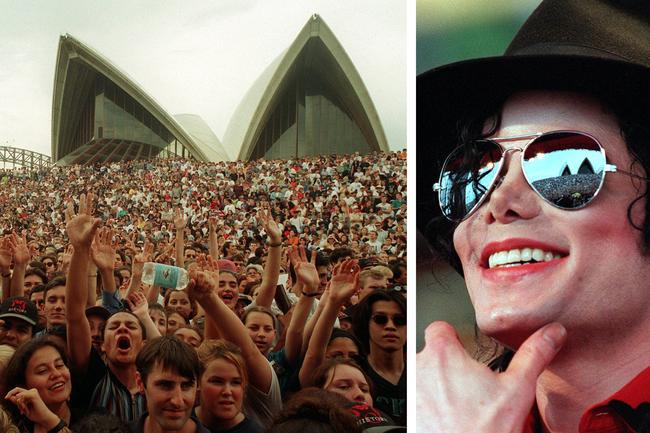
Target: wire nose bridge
<point x="502" y="171"/>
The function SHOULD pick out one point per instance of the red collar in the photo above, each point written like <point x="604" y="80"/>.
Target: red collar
<point x="602" y="418"/>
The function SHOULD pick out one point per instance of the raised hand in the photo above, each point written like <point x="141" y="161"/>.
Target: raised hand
<point x="141" y="258"/>
<point x="180" y="219"/>
<point x="31" y="405"/>
<point x="22" y="254"/>
<point x="306" y="271"/>
<point x="212" y="224"/>
<point x="66" y="258"/>
<point x="458" y="394"/>
<point x="6" y="253"/>
<point x="138" y="303"/>
<point x="345" y="281"/>
<point x="270" y="226"/>
<point x="81" y="227"/>
<point x="203" y="283"/>
<point x="103" y="249"/>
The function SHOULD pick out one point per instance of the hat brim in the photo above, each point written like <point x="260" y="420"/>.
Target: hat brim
<point x="18" y="316"/>
<point x="447" y="93"/>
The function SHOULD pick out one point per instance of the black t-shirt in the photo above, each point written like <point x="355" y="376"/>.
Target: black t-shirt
<point x="389" y="398"/>
<point x="246" y="426"/>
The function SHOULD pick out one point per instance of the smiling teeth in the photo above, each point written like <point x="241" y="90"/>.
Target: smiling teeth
<point x="517" y="257"/>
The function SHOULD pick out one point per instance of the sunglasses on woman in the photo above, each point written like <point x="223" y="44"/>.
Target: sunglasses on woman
<point x="565" y="168"/>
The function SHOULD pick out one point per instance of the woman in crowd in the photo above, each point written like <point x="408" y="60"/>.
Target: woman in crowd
<point x="223" y="388"/>
<point x="38" y="387"/>
<point x="345" y="377"/>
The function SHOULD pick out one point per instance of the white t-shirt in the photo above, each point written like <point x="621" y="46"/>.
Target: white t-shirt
<point x="263" y="407"/>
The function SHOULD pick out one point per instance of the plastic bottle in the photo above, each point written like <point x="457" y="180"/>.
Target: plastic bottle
<point x="170" y="277"/>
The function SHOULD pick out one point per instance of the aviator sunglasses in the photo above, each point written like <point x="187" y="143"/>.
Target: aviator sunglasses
<point x="565" y="168"/>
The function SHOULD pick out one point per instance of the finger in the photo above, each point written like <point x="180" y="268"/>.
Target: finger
<point x="314" y="255"/>
<point x="537" y="352"/>
<point x="82" y="204"/>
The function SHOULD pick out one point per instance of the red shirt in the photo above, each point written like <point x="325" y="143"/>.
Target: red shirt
<point x="603" y="417"/>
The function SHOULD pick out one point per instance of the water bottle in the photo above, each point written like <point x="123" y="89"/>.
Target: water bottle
<point x="170" y="277"/>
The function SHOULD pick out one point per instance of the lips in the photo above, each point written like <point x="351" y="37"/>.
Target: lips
<point x="58" y="386"/>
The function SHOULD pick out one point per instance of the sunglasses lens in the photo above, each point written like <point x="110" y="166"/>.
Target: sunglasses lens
<point x="466" y="177"/>
<point x="380" y="320"/>
<point x="565" y="168"/>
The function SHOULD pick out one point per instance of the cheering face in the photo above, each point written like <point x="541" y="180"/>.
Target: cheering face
<point x="595" y="276"/>
<point x="222" y="392"/>
<point x="49" y="375"/>
<point x="122" y="338"/>
<point x="228" y="289"/>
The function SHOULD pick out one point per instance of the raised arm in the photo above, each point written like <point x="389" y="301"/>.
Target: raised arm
<point x="137" y="268"/>
<point x="306" y="287"/>
<point x="202" y="287"/>
<point x="342" y="286"/>
<point x="21" y="259"/>
<point x="272" y="267"/>
<point x="81" y="230"/>
<point x="180" y="221"/>
<point x="213" y="243"/>
<point x="6" y="253"/>
<point x="103" y="254"/>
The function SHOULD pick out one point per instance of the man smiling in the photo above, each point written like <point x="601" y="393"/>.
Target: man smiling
<point x="544" y="162"/>
<point x="168" y="370"/>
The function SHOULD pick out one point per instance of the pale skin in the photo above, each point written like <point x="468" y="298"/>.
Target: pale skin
<point x="342" y="286"/>
<point x="202" y="287"/>
<point x="560" y="318"/>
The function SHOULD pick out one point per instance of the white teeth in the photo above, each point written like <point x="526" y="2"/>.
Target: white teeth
<point x="516" y="257"/>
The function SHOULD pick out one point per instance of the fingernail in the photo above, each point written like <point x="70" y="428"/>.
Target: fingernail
<point x="555" y="334"/>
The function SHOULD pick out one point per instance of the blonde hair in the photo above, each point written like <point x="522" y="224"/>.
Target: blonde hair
<point x="211" y="350"/>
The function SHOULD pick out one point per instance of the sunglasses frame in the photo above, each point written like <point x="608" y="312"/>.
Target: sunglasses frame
<point x="498" y="178"/>
<point x="387" y="317"/>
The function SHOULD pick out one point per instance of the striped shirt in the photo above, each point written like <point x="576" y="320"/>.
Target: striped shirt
<point x="101" y="389"/>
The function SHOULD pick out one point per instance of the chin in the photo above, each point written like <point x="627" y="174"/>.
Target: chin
<point x="509" y="329"/>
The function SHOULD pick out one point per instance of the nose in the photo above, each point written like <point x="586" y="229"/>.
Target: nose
<point x="177" y="397"/>
<point x="227" y="390"/>
<point x="358" y="395"/>
<point x="511" y="198"/>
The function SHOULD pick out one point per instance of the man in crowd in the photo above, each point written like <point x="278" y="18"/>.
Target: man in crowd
<point x="168" y="374"/>
<point x="18" y="317"/>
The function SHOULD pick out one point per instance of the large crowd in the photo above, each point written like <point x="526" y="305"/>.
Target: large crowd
<point x="176" y="295"/>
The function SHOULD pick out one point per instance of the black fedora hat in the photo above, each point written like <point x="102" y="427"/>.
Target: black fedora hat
<point x="600" y="47"/>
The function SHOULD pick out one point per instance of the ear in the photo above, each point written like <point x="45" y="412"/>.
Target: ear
<point x="139" y="382"/>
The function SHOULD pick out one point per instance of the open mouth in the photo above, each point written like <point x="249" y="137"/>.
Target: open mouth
<point x="521" y="256"/>
<point x="227" y="296"/>
<point x="57" y="386"/>
<point x="123" y="343"/>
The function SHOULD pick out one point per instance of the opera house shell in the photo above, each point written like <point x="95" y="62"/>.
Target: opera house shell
<point x="100" y="115"/>
<point x="309" y="101"/>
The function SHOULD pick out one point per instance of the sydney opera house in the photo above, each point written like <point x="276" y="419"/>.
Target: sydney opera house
<point x="310" y="100"/>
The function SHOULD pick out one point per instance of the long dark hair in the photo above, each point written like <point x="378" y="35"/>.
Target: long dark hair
<point x="14" y="373"/>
